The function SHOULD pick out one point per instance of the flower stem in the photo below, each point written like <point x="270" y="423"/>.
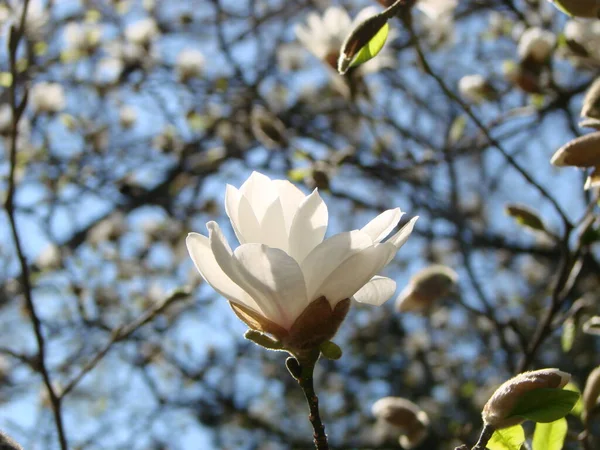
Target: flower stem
<point x="485" y="436"/>
<point x="303" y="374"/>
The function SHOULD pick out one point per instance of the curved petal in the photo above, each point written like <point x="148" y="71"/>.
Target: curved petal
<point x="273" y="231"/>
<point x="377" y="291"/>
<point x="383" y="224"/>
<point x="328" y="255"/>
<point x="347" y="279"/>
<point x="199" y="249"/>
<point x="308" y="227"/>
<point x="398" y="239"/>
<point x="290" y="197"/>
<point x="230" y="266"/>
<point x="259" y="191"/>
<point x="278" y="277"/>
<point x="241" y="216"/>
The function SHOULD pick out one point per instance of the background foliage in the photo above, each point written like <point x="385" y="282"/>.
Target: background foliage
<point x="110" y="177"/>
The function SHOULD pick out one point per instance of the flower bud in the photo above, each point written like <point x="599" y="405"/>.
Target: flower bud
<point x="190" y="63"/>
<point x="536" y="45"/>
<point x="7" y="443"/>
<point x="127" y="116"/>
<point x="591" y="102"/>
<point x="591" y="392"/>
<point x="497" y="412"/>
<point x="268" y="129"/>
<point x="581" y="152"/>
<point x="475" y="88"/>
<point x="405" y="415"/>
<point x="426" y="287"/>
<point x="358" y="38"/>
<point x="592" y="325"/>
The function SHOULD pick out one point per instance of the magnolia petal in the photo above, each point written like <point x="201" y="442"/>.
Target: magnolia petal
<point x="273" y="232"/>
<point x="308" y="227"/>
<point x="328" y="255"/>
<point x="377" y="291"/>
<point x="398" y="239"/>
<point x="290" y="197"/>
<point x="279" y="279"/>
<point x="383" y="224"/>
<point x="241" y="216"/>
<point x="201" y="253"/>
<point x="260" y="192"/>
<point x="231" y="267"/>
<point x="347" y="279"/>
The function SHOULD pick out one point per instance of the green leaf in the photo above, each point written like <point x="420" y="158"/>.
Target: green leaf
<point x="525" y="216"/>
<point x="545" y="404"/>
<point x="568" y="334"/>
<point x="578" y="408"/>
<point x="330" y="350"/>
<point x="550" y="436"/>
<point x="263" y="340"/>
<point x="457" y="129"/>
<point x="373" y="47"/>
<point x="510" y="438"/>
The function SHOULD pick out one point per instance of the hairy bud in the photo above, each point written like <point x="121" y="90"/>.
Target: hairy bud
<point x="591" y="392"/>
<point x="405" y="415"/>
<point x="425" y="287"/>
<point x="497" y="412"/>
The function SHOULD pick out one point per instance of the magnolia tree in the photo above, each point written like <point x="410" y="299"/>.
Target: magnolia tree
<point x="311" y="224"/>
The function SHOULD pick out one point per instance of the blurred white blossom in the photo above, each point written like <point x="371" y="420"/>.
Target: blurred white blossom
<point x="190" y="63"/>
<point x="84" y="37"/>
<point x="536" y="44"/>
<point x="47" y="97"/>
<point x="36" y="20"/>
<point x="127" y="116"/>
<point x="142" y="32"/>
<point x="475" y="88"/>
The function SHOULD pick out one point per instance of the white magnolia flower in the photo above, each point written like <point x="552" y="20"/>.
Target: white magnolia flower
<point x="190" y="63"/>
<point x="142" y="32"/>
<point x="536" y="44"/>
<point x="324" y="36"/>
<point x="48" y="97"/>
<point x="284" y="279"/>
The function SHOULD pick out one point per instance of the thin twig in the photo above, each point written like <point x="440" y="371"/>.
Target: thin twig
<point x="17" y="110"/>
<point x="119" y="334"/>
<point x="494" y="142"/>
